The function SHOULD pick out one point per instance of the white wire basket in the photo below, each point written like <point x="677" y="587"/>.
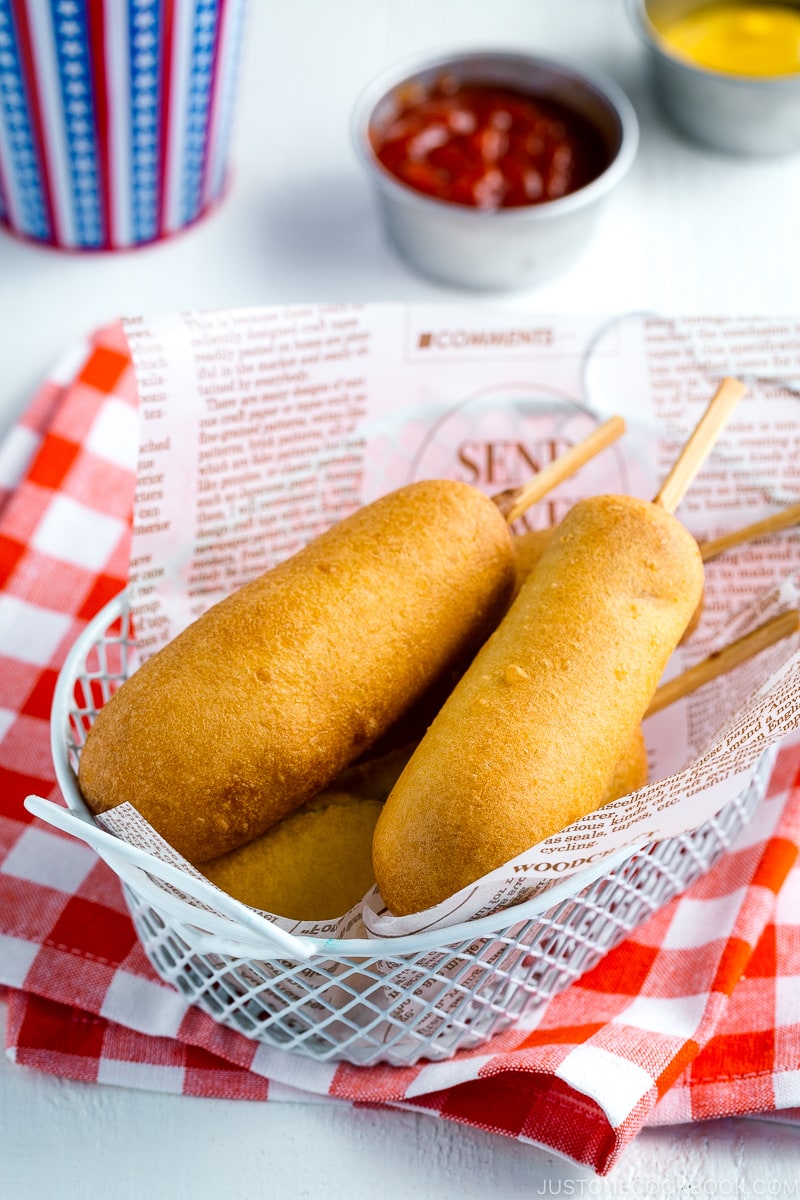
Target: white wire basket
<point x="363" y="1001"/>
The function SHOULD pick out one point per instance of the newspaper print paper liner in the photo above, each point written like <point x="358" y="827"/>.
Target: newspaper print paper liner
<point x="366" y="1001"/>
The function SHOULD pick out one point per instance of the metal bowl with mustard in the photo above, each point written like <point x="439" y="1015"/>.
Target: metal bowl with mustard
<point x="726" y="73"/>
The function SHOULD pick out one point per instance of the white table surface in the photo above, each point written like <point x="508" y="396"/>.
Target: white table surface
<point x="690" y="231"/>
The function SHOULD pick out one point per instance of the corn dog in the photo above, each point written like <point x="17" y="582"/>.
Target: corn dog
<point x="528" y="549"/>
<point x="441" y="827"/>
<point x="260" y="703"/>
<point x="313" y="865"/>
<point x="531" y="736"/>
<point x="317" y="863"/>
<point x="632" y="770"/>
<point x="530" y="546"/>
<point x="264" y="700"/>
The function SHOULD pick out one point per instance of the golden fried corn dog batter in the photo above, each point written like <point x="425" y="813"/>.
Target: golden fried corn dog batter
<point x="261" y="702"/>
<point x="313" y="865"/>
<point x="530" y="738"/>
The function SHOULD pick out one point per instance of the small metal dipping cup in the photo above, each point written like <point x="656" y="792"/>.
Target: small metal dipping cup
<point x="505" y="248"/>
<point x="741" y="113"/>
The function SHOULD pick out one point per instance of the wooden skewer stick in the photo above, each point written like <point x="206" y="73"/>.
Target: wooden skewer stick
<point x="514" y="502"/>
<point x="782" y="520"/>
<point x="725" y="660"/>
<point x="696" y="451"/>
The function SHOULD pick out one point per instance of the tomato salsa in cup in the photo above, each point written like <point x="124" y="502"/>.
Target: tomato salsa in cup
<point x="488" y="146"/>
<point x="490" y="168"/>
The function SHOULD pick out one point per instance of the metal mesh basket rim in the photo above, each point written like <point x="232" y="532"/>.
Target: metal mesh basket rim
<point x="150" y="892"/>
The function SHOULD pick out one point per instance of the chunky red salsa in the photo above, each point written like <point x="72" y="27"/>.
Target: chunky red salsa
<point x="489" y="147"/>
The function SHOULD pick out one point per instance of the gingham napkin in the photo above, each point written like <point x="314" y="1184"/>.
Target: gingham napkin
<point x="696" y="1015"/>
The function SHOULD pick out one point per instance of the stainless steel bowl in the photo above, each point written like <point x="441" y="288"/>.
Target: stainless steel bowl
<point x="738" y="113"/>
<point x="507" y="248"/>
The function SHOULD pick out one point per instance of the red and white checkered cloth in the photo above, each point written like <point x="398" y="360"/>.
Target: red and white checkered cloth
<point x="696" y="1015"/>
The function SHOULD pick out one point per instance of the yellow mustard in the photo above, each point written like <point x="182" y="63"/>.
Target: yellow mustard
<point x="740" y="39"/>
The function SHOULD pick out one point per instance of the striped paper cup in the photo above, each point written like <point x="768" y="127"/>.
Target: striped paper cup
<point x="115" y="117"/>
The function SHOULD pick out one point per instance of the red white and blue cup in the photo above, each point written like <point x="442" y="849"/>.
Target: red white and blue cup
<point x="115" y="117"/>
